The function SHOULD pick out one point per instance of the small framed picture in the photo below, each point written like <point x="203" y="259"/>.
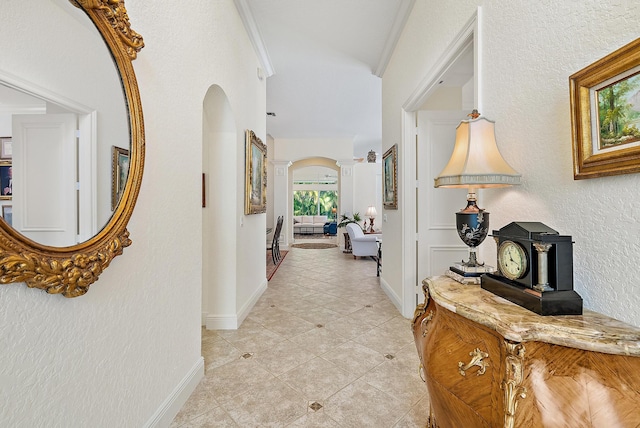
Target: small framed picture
<point x="390" y="178"/>
<point x="5" y="148"/>
<point x="6" y="181"/>
<point x="7" y="214"/>
<point x="255" y="201"/>
<point x="119" y="173"/>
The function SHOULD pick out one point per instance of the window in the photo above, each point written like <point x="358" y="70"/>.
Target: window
<point x="315" y="202"/>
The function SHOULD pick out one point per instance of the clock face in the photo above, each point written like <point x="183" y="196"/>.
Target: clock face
<point x="512" y="260"/>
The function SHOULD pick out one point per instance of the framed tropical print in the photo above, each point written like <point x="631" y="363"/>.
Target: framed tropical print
<point x="605" y="115"/>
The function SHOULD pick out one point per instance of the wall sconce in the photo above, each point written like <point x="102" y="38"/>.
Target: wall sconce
<point x="371" y="213"/>
<point x="475" y="163"/>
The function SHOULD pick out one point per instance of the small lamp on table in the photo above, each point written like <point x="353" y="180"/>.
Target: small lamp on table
<point x="371" y="213"/>
<point x="475" y="163"/>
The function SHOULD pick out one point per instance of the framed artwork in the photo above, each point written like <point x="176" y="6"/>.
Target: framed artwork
<point x="605" y="115"/>
<point x="6" y="180"/>
<point x="390" y="178"/>
<point x="255" y="193"/>
<point x="7" y="214"/>
<point x="5" y="148"/>
<point x="119" y="173"/>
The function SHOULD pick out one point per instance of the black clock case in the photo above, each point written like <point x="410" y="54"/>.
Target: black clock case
<point x="562" y="300"/>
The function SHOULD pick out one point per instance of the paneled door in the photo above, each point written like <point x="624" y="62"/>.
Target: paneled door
<point x="44" y="178"/>
<point x="438" y="243"/>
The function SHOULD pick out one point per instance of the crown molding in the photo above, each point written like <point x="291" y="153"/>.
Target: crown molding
<point x="244" y="10"/>
<point x="394" y="35"/>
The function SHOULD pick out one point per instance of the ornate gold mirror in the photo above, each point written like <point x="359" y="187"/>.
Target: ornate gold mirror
<point x="83" y="82"/>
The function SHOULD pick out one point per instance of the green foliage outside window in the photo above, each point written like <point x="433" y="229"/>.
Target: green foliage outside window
<point x="313" y="202"/>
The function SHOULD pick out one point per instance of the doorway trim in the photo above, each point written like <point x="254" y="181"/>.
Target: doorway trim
<point x="87" y="148"/>
<point x="470" y="34"/>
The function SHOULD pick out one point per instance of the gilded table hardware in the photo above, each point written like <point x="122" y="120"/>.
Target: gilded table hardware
<point x="512" y="383"/>
<point x="425" y="321"/>
<point x="477" y="357"/>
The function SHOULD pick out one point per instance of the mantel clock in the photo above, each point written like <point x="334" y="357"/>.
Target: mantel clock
<point x="535" y="269"/>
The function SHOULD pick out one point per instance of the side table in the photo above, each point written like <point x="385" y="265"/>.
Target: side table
<point x="347" y="244"/>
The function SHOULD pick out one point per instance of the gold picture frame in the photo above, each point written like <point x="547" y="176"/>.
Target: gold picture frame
<point x="119" y="173"/>
<point x="6" y="148"/>
<point x="606" y="142"/>
<point x="255" y="194"/>
<point x="6" y="183"/>
<point x="390" y="178"/>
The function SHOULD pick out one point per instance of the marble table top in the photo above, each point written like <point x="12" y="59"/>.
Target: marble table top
<point x="590" y="331"/>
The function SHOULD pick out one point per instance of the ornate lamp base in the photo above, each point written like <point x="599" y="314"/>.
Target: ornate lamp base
<point x="473" y="226"/>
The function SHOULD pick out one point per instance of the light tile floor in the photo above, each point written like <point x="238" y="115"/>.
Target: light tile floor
<point x="323" y="347"/>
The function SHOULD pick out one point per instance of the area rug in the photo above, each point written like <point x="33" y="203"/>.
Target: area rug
<point x="271" y="268"/>
<point x="314" y="245"/>
<point x="312" y="236"/>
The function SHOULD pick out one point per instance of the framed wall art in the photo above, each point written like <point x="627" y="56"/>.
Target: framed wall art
<point x="5" y="148"/>
<point x="255" y="194"/>
<point x="6" y="180"/>
<point x="390" y="178"/>
<point x="605" y="115"/>
<point x="119" y="173"/>
<point x="7" y="214"/>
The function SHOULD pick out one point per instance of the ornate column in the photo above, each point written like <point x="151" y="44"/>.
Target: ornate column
<point x="281" y="198"/>
<point x="345" y="192"/>
<point x="543" y="266"/>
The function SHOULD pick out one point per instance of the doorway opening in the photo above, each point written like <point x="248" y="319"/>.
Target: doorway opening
<point x="219" y="247"/>
<point x="430" y="118"/>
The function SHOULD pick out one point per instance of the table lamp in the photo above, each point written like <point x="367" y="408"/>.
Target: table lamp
<point x="371" y="213"/>
<point x="475" y="163"/>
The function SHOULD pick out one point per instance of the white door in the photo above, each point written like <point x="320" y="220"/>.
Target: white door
<point x="44" y="178"/>
<point x="438" y="243"/>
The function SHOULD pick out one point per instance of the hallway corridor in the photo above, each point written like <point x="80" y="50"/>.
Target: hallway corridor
<point x="323" y="347"/>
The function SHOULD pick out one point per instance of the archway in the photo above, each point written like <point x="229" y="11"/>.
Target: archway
<point x="219" y="142"/>
<point x="297" y="166"/>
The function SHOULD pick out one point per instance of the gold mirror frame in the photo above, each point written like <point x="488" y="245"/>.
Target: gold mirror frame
<point x="71" y="270"/>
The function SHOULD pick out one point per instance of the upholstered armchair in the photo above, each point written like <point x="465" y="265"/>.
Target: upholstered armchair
<point x="361" y="244"/>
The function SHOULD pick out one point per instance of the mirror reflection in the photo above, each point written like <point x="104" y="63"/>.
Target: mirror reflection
<point x="64" y="130"/>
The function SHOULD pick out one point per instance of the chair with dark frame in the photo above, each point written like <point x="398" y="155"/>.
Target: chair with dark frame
<point x="275" y="243"/>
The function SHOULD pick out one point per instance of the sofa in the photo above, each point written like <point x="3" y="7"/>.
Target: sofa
<point x="309" y="224"/>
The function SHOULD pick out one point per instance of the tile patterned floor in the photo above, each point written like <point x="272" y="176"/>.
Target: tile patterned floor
<point x="323" y="347"/>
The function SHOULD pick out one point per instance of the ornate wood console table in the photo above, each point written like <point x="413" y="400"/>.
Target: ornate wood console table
<point x="490" y="363"/>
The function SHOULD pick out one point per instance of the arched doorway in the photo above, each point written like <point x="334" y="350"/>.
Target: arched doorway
<point x="330" y="172"/>
<point x="219" y="143"/>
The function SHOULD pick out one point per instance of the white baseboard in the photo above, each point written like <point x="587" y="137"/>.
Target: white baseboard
<point x="232" y="322"/>
<point x="397" y="301"/>
<point x="174" y="402"/>
<point x="221" y="322"/>
<point x="246" y="308"/>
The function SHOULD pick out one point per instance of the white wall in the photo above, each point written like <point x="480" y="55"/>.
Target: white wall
<point x="297" y="149"/>
<point x="529" y="51"/>
<point x="368" y="191"/>
<point x="116" y="356"/>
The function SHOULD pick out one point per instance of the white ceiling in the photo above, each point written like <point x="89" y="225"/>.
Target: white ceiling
<point x="325" y="56"/>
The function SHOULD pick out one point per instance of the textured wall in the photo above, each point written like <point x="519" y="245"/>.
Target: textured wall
<point x="529" y="51"/>
<point x="110" y="358"/>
